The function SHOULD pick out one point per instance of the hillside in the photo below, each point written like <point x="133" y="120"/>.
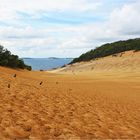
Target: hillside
<point x="110" y="49"/>
<point x="128" y="61"/>
<point x="8" y="59"/>
<point x="70" y="106"/>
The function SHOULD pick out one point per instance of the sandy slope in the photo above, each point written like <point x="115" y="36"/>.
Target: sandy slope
<point x="71" y="105"/>
<point x="124" y="62"/>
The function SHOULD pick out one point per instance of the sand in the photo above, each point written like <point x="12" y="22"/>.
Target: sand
<point x="123" y="62"/>
<point x="92" y="104"/>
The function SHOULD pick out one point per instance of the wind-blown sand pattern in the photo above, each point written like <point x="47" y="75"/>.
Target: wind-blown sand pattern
<point x="97" y="104"/>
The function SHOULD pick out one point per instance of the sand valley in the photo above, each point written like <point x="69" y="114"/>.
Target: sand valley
<point x="88" y="100"/>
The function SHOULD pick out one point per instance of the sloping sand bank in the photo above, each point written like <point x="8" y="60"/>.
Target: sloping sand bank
<point x="70" y="105"/>
<point x="123" y="62"/>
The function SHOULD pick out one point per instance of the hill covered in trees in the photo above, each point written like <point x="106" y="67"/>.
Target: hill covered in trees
<point x="9" y="60"/>
<point x="110" y="49"/>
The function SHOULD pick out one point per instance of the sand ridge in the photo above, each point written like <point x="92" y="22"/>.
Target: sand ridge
<point x="100" y="105"/>
<point x="123" y="62"/>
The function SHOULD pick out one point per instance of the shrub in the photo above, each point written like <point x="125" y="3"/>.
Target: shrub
<point x="10" y="60"/>
<point x="110" y="49"/>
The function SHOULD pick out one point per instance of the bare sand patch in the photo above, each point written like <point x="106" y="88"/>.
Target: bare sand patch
<point x="86" y="105"/>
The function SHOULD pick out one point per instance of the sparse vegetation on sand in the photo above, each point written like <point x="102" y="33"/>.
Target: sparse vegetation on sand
<point x="9" y="60"/>
<point x="110" y="49"/>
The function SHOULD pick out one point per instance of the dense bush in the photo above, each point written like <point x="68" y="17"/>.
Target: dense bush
<point x="9" y="60"/>
<point x="110" y="49"/>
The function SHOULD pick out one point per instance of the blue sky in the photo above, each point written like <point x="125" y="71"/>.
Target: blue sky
<point x="65" y="28"/>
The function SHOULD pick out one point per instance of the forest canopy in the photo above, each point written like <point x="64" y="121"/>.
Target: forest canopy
<point x="110" y="49"/>
<point x="10" y="60"/>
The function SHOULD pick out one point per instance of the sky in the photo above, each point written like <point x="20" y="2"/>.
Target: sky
<point x="65" y="28"/>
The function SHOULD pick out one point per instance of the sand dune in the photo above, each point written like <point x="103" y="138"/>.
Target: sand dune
<point x="103" y="103"/>
<point x="124" y="62"/>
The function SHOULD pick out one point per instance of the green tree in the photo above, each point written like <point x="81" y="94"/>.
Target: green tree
<point x="9" y="60"/>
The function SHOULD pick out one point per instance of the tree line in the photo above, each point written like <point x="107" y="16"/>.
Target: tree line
<point x="109" y="49"/>
<point x="10" y="60"/>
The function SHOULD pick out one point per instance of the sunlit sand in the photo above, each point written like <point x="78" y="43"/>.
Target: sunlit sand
<point x="89" y="100"/>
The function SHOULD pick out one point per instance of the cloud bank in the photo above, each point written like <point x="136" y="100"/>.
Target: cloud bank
<point x="63" y="28"/>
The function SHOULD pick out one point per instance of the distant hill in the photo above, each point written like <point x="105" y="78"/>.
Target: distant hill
<point x="10" y="60"/>
<point x="26" y="58"/>
<point x="110" y="49"/>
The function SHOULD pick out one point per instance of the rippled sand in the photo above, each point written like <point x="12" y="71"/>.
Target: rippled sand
<point x="69" y="105"/>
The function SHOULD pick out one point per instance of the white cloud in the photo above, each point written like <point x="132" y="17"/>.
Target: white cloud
<point x="60" y="39"/>
<point x="126" y="20"/>
<point x="9" y="8"/>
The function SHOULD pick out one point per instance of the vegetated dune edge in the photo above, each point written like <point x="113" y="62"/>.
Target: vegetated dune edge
<point x="128" y="61"/>
<point x="78" y="102"/>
